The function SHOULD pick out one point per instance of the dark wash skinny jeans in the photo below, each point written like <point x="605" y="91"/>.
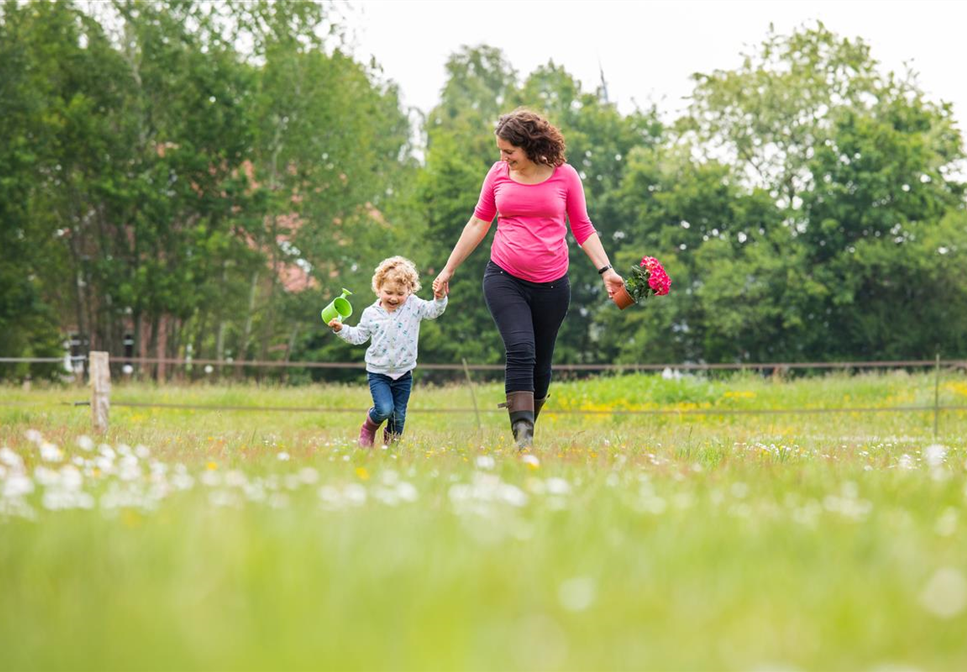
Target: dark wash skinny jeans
<point x="528" y="316"/>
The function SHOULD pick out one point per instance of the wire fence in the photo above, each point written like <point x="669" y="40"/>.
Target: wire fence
<point x="631" y="366"/>
<point x="936" y="408"/>
<point x="558" y="411"/>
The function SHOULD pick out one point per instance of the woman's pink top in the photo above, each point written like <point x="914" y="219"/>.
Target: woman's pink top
<point x="530" y="242"/>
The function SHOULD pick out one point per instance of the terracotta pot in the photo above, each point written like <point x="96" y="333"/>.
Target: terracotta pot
<point x="622" y="298"/>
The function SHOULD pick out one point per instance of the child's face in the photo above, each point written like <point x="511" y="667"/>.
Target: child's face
<point x="392" y="294"/>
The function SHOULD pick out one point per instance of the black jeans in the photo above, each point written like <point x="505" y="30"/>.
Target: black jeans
<point x="528" y="316"/>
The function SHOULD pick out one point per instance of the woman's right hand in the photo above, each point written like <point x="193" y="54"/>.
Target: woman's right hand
<point x="441" y="286"/>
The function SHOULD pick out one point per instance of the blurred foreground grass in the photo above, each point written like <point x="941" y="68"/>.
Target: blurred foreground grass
<point x="266" y="540"/>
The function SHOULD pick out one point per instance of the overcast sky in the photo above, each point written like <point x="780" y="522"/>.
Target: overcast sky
<point x="648" y="50"/>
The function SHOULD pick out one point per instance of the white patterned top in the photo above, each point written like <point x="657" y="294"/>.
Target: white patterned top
<point x="392" y="351"/>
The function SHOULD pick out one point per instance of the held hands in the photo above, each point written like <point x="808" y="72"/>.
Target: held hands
<point x="335" y="325"/>
<point x="612" y="281"/>
<point x="441" y="286"/>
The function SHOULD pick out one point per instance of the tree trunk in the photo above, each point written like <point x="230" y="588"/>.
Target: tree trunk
<point x="290" y="346"/>
<point x="247" y="330"/>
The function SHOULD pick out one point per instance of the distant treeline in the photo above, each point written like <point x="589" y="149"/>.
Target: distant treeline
<point x="190" y="177"/>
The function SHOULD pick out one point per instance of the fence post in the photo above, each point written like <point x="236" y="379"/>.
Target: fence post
<point x="936" y="400"/>
<point x="100" y="390"/>
<point x="473" y="396"/>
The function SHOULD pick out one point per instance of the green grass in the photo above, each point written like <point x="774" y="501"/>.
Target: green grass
<point x="677" y="541"/>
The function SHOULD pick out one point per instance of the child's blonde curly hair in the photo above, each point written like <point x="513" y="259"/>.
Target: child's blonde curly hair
<point x="396" y="269"/>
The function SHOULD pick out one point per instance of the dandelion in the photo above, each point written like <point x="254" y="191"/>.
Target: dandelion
<point x="362" y="473"/>
<point x="85" y="443"/>
<point x="531" y="461"/>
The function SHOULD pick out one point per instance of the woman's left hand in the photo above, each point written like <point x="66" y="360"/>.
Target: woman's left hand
<point x="612" y="281"/>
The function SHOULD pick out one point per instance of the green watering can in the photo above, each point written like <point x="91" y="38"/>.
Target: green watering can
<point x="338" y="309"/>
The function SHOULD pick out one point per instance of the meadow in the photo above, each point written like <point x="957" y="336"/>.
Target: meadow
<point x="266" y="540"/>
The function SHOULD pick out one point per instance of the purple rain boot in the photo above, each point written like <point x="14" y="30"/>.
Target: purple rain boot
<point x="367" y="433"/>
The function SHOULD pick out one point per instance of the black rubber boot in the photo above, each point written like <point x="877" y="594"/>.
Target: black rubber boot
<point x="520" y="406"/>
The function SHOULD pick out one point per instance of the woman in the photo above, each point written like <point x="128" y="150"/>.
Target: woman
<point x="533" y="193"/>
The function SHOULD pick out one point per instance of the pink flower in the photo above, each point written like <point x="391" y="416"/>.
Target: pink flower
<point x="648" y="278"/>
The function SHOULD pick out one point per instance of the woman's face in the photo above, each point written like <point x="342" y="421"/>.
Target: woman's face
<point x="515" y="157"/>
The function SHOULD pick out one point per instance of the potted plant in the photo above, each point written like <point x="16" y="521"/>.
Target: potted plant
<point x="646" y="279"/>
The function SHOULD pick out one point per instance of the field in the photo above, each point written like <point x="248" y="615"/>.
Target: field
<point x="200" y="539"/>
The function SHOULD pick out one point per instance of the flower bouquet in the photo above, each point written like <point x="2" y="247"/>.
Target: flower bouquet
<point x="646" y="279"/>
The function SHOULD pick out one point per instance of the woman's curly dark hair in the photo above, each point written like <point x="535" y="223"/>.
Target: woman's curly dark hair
<point x="531" y="132"/>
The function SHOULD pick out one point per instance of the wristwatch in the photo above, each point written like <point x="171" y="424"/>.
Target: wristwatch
<point x="603" y="269"/>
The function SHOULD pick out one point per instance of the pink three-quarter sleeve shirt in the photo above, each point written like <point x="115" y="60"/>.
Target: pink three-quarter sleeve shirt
<point x="530" y="242"/>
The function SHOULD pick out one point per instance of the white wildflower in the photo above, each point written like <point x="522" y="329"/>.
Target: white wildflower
<point x="935" y="454"/>
<point x="577" y="594"/>
<point x="947" y="523"/>
<point x="50" y="453"/>
<point x="11" y="459"/>
<point x="558" y="486"/>
<point x="945" y="594"/>
<point x="485" y="462"/>
<point x="17" y="485"/>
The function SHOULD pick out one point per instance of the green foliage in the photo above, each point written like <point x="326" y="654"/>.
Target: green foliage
<point x="159" y="180"/>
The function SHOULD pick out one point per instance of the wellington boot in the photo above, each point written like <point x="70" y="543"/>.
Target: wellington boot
<point x="520" y="406"/>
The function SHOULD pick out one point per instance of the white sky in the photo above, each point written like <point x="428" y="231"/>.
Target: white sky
<point x="648" y="50"/>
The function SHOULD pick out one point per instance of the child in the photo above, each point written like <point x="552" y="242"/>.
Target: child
<point x="393" y="324"/>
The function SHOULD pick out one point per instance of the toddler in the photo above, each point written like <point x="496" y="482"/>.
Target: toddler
<point x="393" y="325"/>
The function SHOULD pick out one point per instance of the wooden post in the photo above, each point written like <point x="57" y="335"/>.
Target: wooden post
<point x="936" y="400"/>
<point x="100" y="390"/>
<point x="473" y="396"/>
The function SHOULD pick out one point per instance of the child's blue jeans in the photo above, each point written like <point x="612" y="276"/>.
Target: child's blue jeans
<point x="389" y="400"/>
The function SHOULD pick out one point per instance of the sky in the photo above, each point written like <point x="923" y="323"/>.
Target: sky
<point x="648" y="50"/>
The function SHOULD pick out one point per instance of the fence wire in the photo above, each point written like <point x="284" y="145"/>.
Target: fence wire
<point x="684" y="366"/>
